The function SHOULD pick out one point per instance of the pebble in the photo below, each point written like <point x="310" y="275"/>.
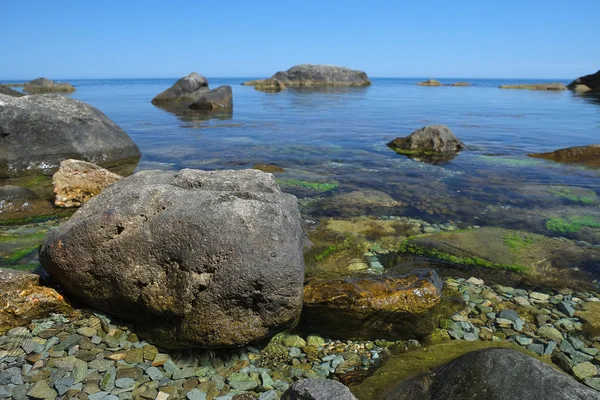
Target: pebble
<point x="585" y="370"/>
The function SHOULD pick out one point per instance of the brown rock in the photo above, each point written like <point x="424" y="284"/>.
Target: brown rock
<point x="536" y="86"/>
<point x="372" y="306"/>
<point x="269" y="85"/>
<point x="268" y="168"/>
<point x="588" y="155"/>
<point x="430" y="82"/>
<point x="22" y="299"/>
<point x="77" y="181"/>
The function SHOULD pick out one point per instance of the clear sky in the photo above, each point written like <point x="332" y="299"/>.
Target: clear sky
<point x="243" y="38"/>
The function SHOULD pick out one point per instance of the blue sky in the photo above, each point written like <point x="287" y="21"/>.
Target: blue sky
<point x="241" y="38"/>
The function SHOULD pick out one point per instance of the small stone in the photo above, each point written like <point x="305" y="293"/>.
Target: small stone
<point x="594" y="383"/>
<point x="522" y="301"/>
<point x="184" y="373"/>
<point x="170" y="367"/>
<point x="523" y="340"/>
<point x="536" y="348"/>
<point x="196" y="394"/>
<point x="475" y="281"/>
<point x="150" y="352"/>
<point x="470" y="337"/>
<point x="550" y="333"/>
<point x="269" y="395"/>
<point x="592" y="351"/>
<point x="98" y="396"/>
<point x="577" y="344"/>
<point x="5" y="391"/>
<point x="241" y="381"/>
<point x="539" y="297"/>
<point x="295" y="352"/>
<point x="550" y="348"/>
<point x="315" y="340"/>
<point x="41" y="390"/>
<point x="160" y="359"/>
<point x="162" y="396"/>
<point x="585" y="370"/>
<point x="108" y="380"/>
<point x="154" y="373"/>
<point x="87" y="331"/>
<point x="134" y="356"/>
<point x="294" y="341"/>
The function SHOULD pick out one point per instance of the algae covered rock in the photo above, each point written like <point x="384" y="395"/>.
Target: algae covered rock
<point x="358" y="202"/>
<point x="587" y="155"/>
<point x="22" y="299"/>
<point x="77" y="181"/>
<point x="43" y="85"/>
<point x="432" y="142"/>
<point x="195" y="258"/>
<point x="370" y="307"/>
<point x="498" y="373"/>
<point x="266" y="85"/>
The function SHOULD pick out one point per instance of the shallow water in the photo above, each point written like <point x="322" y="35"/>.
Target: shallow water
<point x="338" y="137"/>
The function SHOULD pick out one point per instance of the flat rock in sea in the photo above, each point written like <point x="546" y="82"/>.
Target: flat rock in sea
<point x="430" y="82"/>
<point x="196" y="258"/>
<point x="499" y="373"/>
<point x="586" y="83"/>
<point x="587" y="155"/>
<point x="316" y="75"/>
<point x="536" y="86"/>
<point x="40" y="131"/>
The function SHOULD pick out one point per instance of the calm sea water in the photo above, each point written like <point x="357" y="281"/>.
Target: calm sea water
<point x="339" y="136"/>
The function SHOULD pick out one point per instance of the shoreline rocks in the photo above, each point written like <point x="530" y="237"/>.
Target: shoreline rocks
<point x="536" y="86"/>
<point x="9" y="92"/>
<point x="587" y="155"/>
<point x="192" y="92"/>
<point x="586" y="83"/>
<point x="77" y="181"/>
<point x="195" y="258"/>
<point x="43" y="85"/>
<point x="304" y="75"/>
<point x="40" y="131"/>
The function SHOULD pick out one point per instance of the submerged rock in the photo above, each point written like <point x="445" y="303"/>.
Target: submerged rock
<point x="77" y="181"/>
<point x="536" y="86"/>
<point x="359" y="202"/>
<point x="40" y="131"/>
<point x="266" y="85"/>
<point x="371" y="307"/>
<point x="586" y="83"/>
<point x="17" y="202"/>
<point x="317" y="389"/>
<point x="22" y="299"/>
<point x="321" y="75"/>
<point x="430" y="82"/>
<point x="432" y="142"/>
<point x="270" y="168"/>
<point x="196" y="258"/>
<point x="192" y="92"/>
<point x="9" y="92"/>
<point x="43" y="85"/>
<point x="498" y="373"/>
<point x="587" y="155"/>
<point x="219" y="99"/>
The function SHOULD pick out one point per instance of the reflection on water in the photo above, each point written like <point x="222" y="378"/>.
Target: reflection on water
<point x="196" y="118"/>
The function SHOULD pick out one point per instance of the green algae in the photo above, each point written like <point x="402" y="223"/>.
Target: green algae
<point x="518" y="241"/>
<point x="326" y="253"/>
<point x="315" y="186"/>
<point x="510" y="162"/>
<point x="571" y="224"/>
<point x="568" y="194"/>
<point x="38" y="236"/>
<point x="19" y="254"/>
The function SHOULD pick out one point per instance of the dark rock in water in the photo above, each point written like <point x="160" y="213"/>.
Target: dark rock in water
<point x="9" y="92"/>
<point x="219" y="99"/>
<point x="43" y="85"/>
<point x="321" y="75"/>
<point x="430" y="82"/>
<point x="22" y="299"/>
<point x="536" y="86"/>
<point x="371" y="307"/>
<point x="494" y="374"/>
<point x="196" y="258"/>
<point x="38" y="132"/>
<point x="17" y="202"/>
<point x="588" y="155"/>
<point x="183" y="90"/>
<point x="586" y="83"/>
<point x="317" y="389"/>
<point x="432" y="142"/>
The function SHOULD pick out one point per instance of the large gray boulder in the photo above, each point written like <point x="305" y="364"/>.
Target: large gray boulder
<point x="321" y="75"/>
<point x="196" y="258"/>
<point x="38" y="132"/>
<point x="586" y="83"/>
<point x="182" y="90"/>
<point x="492" y="374"/>
<point x="44" y="85"/>
<point x="317" y="389"/>
<point x="192" y="92"/>
<point x="434" y="141"/>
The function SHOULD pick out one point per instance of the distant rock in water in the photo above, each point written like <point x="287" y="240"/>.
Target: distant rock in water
<point x="38" y="132"/>
<point x="266" y="85"/>
<point x="497" y="374"/>
<point x="587" y="155"/>
<point x="192" y="92"/>
<point x="43" y="85"/>
<point x="431" y="143"/>
<point x="536" y="86"/>
<point x="430" y="82"/>
<point x="316" y="75"/>
<point x="10" y="92"/>
<point x="77" y="181"/>
<point x="586" y="83"/>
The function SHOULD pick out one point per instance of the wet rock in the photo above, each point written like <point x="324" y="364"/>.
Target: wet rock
<point x="430" y="82"/>
<point x="585" y="370"/>
<point x="17" y="202"/>
<point x="432" y="143"/>
<point x="43" y="85"/>
<point x="500" y="373"/>
<point x="41" y="390"/>
<point x="183" y="90"/>
<point x="219" y="99"/>
<point x="22" y="299"/>
<point x="77" y="181"/>
<point x="40" y="131"/>
<point x="10" y="92"/>
<point x="587" y="155"/>
<point x="372" y="306"/>
<point x="359" y="202"/>
<point x="591" y="82"/>
<point x="190" y="256"/>
<point x="321" y="75"/>
<point x="536" y="86"/>
<point x="317" y="389"/>
<point x="272" y="169"/>
<point x="192" y="92"/>
<point x="266" y="85"/>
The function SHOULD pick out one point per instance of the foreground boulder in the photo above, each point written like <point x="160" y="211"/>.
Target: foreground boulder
<point x="40" y="131"/>
<point x="196" y="258"/>
<point x="43" y="85"/>
<point x="431" y="142"/>
<point x="192" y="92"/>
<point x="372" y="307"/>
<point x="17" y="202"/>
<point x="536" y="86"/>
<point x="494" y="374"/>
<point x="10" y="92"/>
<point x="586" y="83"/>
<point x="317" y="389"/>
<point x="22" y="299"/>
<point x="587" y="155"/>
<point x="321" y="75"/>
<point x="77" y="181"/>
